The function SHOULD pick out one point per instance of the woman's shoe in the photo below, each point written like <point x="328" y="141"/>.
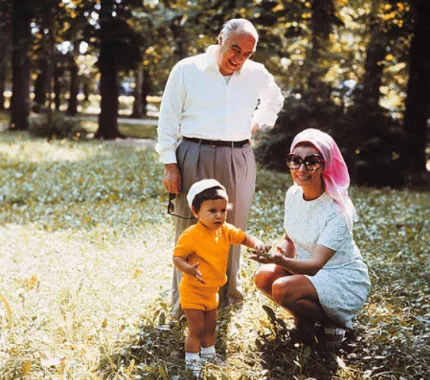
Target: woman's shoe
<point x="334" y="336"/>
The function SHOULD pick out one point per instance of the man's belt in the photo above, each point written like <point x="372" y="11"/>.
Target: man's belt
<point x="217" y="143"/>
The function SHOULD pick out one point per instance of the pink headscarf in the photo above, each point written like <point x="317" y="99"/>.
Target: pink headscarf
<point x="335" y="176"/>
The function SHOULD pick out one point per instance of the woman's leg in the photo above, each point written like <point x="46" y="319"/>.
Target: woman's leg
<point x="297" y="294"/>
<point x="196" y="329"/>
<point x="267" y="275"/>
<point x="210" y="319"/>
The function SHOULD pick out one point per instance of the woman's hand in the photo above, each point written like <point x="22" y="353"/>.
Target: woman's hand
<point x="195" y="272"/>
<point x="276" y="257"/>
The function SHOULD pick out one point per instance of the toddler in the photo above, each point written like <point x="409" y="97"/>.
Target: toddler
<point x="201" y="254"/>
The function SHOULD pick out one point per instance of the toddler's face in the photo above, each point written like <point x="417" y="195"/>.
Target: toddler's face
<point x="213" y="213"/>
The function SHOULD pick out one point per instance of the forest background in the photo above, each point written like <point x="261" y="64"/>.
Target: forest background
<point x="357" y="69"/>
<point x="82" y="221"/>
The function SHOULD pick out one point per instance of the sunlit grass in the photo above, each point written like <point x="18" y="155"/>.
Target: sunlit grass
<point x="128" y="129"/>
<point x="86" y="268"/>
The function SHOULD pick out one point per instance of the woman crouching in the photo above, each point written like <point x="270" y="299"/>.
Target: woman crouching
<point x="317" y="273"/>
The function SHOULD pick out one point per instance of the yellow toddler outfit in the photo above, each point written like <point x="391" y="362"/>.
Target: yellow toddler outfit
<point x="209" y="248"/>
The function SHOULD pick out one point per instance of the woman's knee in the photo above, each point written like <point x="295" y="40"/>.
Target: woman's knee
<point x="283" y="293"/>
<point x="264" y="278"/>
<point x="267" y="274"/>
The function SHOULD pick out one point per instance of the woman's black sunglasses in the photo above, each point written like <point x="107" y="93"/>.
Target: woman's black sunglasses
<point x="312" y="162"/>
<point x="171" y="207"/>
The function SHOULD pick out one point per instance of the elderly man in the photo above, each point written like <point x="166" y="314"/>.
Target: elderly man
<point x="216" y="101"/>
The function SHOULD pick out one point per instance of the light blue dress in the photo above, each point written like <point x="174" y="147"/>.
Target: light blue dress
<point x="343" y="283"/>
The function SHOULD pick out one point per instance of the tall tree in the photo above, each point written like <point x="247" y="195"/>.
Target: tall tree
<point x="119" y="51"/>
<point x="21" y="37"/>
<point x="321" y="25"/>
<point x="418" y="92"/>
<point x="41" y="83"/>
<point x="138" y="111"/>
<point x="369" y="93"/>
<point x="58" y="73"/>
<point x="3" y="65"/>
<point x="72" y="109"/>
<point x="109" y="87"/>
<point x="5" y="47"/>
<point x="146" y="88"/>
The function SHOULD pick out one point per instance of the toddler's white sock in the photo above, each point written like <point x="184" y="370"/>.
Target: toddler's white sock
<point x="207" y="350"/>
<point x="192" y="356"/>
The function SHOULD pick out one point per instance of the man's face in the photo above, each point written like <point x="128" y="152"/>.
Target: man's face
<point x="234" y="51"/>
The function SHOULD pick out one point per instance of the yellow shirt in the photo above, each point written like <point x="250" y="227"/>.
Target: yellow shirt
<point x="199" y="244"/>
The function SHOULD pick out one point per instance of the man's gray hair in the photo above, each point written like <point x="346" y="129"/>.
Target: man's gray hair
<point x="236" y="26"/>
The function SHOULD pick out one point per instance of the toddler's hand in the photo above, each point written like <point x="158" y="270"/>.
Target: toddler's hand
<point x="195" y="272"/>
<point x="261" y="249"/>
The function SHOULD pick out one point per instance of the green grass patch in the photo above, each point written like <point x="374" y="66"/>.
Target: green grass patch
<point x="86" y="269"/>
<point x="142" y="131"/>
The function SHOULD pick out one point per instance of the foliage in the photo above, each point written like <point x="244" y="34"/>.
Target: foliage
<point x="379" y="156"/>
<point x="86" y="272"/>
<point x="61" y="127"/>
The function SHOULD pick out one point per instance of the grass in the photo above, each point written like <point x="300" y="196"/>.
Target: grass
<point x="86" y="268"/>
<point x="142" y="131"/>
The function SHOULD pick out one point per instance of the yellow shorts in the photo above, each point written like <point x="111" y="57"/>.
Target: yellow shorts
<point x="198" y="298"/>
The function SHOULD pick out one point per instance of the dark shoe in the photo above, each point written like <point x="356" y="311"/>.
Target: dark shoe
<point x="303" y="333"/>
<point x="334" y="336"/>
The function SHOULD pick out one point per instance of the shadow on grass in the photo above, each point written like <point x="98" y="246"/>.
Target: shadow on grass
<point x="157" y="352"/>
<point x="285" y="353"/>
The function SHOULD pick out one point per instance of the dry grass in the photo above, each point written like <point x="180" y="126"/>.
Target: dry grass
<point x="86" y="266"/>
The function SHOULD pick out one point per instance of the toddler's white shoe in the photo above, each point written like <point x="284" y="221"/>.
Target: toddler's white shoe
<point x="213" y="359"/>
<point x="195" y="366"/>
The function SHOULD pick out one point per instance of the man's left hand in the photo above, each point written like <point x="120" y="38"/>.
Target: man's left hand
<point x="172" y="178"/>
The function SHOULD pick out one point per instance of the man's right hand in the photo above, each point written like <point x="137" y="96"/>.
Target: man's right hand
<point x="172" y="178"/>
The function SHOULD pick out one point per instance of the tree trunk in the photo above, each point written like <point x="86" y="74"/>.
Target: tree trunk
<point x="72" y="110"/>
<point x="180" y="38"/>
<point x="137" y="104"/>
<point x="41" y="84"/>
<point x="2" y="73"/>
<point x="146" y="89"/>
<point x="373" y="70"/>
<point x="57" y="86"/>
<point x="321" y="24"/>
<point x="51" y="66"/>
<point x="21" y="37"/>
<point x="86" y="89"/>
<point x="418" y="90"/>
<point x="4" y="59"/>
<point x="109" y="89"/>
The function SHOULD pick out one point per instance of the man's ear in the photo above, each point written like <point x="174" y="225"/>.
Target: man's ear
<point x="220" y="39"/>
